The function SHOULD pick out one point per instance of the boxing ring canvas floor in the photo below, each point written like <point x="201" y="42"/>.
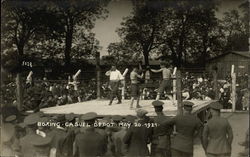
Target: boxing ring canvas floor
<point x="102" y="108"/>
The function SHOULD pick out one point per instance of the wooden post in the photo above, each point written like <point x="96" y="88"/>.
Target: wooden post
<point x="215" y="85"/>
<point x="19" y="91"/>
<point x="174" y="84"/>
<point x="123" y="89"/>
<point x="233" y="75"/>
<point x="179" y="92"/>
<point x="98" y="76"/>
<point x="233" y="88"/>
<point x="124" y="83"/>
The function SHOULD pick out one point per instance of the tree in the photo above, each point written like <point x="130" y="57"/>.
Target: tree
<point x="20" y="21"/>
<point x="177" y="30"/>
<point x="235" y="30"/>
<point x="122" y="53"/>
<point x="76" y="13"/>
<point x="141" y="30"/>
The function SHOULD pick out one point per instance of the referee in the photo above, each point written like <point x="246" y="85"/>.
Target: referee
<point x="115" y="77"/>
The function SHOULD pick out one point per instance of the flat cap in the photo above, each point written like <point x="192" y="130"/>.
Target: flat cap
<point x="9" y="113"/>
<point x="157" y="103"/>
<point x="103" y="121"/>
<point x="38" y="140"/>
<point x="59" y="117"/>
<point x="107" y="118"/>
<point x="188" y="104"/>
<point x="70" y="116"/>
<point x="10" y="118"/>
<point x="31" y="119"/>
<point x="117" y="118"/>
<point x="141" y="112"/>
<point x="130" y="118"/>
<point x="215" y="105"/>
<point x="89" y="116"/>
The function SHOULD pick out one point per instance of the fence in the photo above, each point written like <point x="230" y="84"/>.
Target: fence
<point x="190" y="87"/>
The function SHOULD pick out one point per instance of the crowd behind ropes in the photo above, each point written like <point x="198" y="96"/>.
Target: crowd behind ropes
<point x="89" y="135"/>
<point x="42" y="93"/>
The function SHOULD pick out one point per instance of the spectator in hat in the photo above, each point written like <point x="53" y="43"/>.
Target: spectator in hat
<point x="245" y="144"/>
<point x="59" y="134"/>
<point x="8" y="140"/>
<point x="90" y="143"/>
<point x="142" y="116"/>
<point x="66" y="144"/>
<point x="32" y="140"/>
<point x="138" y="136"/>
<point x="117" y="137"/>
<point x="116" y="119"/>
<point x="161" y="142"/>
<point x="41" y="146"/>
<point x="187" y="127"/>
<point x="217" y="134"/>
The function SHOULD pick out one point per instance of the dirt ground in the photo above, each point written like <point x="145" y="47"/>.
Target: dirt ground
<point x="240" y="124"/>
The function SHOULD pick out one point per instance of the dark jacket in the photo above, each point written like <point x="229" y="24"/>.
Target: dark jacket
<point x="58" y="137"/>
<point x="217" y="136"/>
<point x="90" y="143"/>
<point x="186" y="126"/>
<point x="137" y="139"/>
<point x="161" y="133"/>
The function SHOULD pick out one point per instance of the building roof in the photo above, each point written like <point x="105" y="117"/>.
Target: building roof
<point x="151" y="62"/>
<point x="241" y="53"/>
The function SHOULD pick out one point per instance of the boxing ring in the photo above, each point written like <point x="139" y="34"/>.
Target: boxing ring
<point x="102" y="108"/>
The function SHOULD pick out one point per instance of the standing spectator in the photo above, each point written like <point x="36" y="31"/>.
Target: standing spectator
<point x="245" y="99"/>
<point x="115" y="77"/>
<point x="137" y="137"/>
<point x="245" y="143"/>
<point x="188" y="127"/>
<point x="161" y="142"/>
<point x="217" y="134"/>
<point x="90" y="143"/>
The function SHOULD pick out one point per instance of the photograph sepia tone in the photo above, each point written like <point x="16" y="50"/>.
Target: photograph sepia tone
<point x="125" y="78"/>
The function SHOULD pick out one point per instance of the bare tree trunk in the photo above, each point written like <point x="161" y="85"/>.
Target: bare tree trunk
<point x="179" y="92"/>
<point x="19" y="91"/>
<point x="215" y="85"/>
<point x="146" y="60"/>
<point x="68" y="43"/>
<point x="98" y="76"/>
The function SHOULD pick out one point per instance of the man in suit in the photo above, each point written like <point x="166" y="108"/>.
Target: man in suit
<point x="89" y="143"/>
<point x="161" y="144"/>
<point x="217" y="134"/>
<point x="188" y="127"/>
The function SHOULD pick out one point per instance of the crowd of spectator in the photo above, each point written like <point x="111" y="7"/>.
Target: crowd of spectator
<point x="47" y="93"/>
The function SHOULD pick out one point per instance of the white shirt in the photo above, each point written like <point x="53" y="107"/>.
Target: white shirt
<point x="115" y="75"/>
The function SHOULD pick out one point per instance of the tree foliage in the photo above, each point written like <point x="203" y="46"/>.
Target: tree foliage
<point x="179" y="31"/>
<point x="52" y="28"/>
